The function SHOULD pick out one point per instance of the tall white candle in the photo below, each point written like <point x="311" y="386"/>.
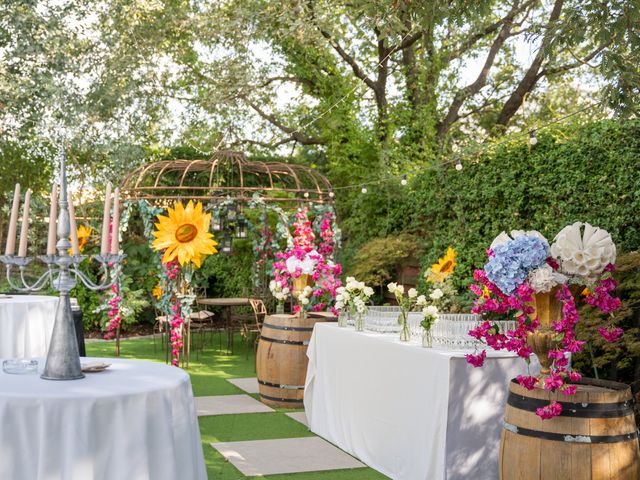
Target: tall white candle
<point x="104" y="245"/>
<point x="53" y="214"/>
<point x="24" y="231"/>
<point x="13" y="223"/>
<point x="75" y="247"/>
<point x="115" y="231"/>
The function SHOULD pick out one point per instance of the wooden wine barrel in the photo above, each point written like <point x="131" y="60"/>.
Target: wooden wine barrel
<point x="281" y="361"/>
<point x="595" y="437"/>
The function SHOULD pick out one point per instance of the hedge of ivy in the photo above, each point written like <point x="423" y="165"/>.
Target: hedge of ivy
<point x="590" y="173"/>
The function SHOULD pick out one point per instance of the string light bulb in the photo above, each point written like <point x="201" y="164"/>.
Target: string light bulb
<point x="331" y="194"/>
<point x="364" y="188"/>
<point x="403" y="182"/>
<point x="306" y="194"/>
<point x="458" y="165"/>
<point x="532" y="137"/>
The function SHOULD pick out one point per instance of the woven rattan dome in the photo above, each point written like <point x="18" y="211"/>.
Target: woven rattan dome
<point x="226" y="174"/>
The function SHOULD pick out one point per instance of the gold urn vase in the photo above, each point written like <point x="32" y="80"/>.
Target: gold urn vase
<point x="299" y="285"/>
<point x="548" y="309"/>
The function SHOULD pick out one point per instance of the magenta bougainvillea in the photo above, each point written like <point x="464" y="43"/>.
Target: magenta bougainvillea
<point x="113" y="312"/>
<point x="493" y="304"/>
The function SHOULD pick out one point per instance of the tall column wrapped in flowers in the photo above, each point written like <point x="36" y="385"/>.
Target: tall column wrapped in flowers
<point x="184" y="238"/>
<point x="306" y="269"/>
<point x="527" y="278"/>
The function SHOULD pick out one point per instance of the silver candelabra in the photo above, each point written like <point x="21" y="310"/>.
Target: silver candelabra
<point x="63" y="272"/>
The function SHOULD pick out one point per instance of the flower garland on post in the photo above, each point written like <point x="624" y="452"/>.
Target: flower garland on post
<point x="183" y="235"/>
<point x="522" y="268"/>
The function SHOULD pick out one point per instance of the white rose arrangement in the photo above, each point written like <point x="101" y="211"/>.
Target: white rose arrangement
<point x="279" y="292"/>
<point x="305" y="295"/>
<point x="354" y="297"/>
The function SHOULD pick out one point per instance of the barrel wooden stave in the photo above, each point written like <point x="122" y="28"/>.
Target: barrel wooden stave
<point x="525" y="457"/>
<point x="281" y="362"/>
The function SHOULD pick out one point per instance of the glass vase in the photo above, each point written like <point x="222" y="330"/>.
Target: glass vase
<point x="359" y="322"/>
<point x="427" y="339"/>
<point x="343" y="318"/>
<point x="403" y="320"/>
<point x="280" y="308"/>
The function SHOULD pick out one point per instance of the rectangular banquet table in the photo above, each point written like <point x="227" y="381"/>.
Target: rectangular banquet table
<point x="411" y="413"/>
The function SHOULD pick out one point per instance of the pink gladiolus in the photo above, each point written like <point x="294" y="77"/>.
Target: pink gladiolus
<point x="569" y="390"/>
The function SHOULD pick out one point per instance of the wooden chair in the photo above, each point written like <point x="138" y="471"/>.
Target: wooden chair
<point x="254" y="328"/>
<point x="161" y="326"/>
<point x="199" y="321"/>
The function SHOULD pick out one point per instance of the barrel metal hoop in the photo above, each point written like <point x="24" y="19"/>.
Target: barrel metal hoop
<point x="568" y="438"/>
<point x="576" y="410"/>
<point x="283" y="327"/>
<point x="275" y="399"/>
<point x="280" y="385"/>
<point x="285" y="342"/>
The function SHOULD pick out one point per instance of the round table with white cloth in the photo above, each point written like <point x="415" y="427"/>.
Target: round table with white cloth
<point x="134" y="421"/>
<point x="26" y="323"/>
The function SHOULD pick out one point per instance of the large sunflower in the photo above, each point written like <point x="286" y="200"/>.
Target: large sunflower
<point x="444" y="267"/>
<point x="184" y="234"/>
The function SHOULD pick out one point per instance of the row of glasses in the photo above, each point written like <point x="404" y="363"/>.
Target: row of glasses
<point x="382" y="319"/>
<point x="452" y="330"/>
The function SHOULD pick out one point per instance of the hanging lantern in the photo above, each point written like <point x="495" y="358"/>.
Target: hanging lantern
<point x="232" y="212"/>
<point x="241" y="227"/>
<point x="216" y="222"/>
<point x="226" y="243"/>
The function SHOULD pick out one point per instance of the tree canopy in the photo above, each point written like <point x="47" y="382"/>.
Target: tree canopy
<point x="375" y="83"/>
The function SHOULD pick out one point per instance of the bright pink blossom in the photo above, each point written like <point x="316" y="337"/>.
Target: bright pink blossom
<point x="611" y="335"/>
<point x="527" y="382"/>
<point x="549" y="411"/>
<point x="476" y="360"/>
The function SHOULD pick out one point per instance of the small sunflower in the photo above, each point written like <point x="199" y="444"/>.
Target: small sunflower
<point x="157" y="291"/>
<point x="441" y="270"/>
<point x="184" y="234"/>
<point x="83" y="236"/>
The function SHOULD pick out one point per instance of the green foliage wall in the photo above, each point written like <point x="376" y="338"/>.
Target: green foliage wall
<point x="589" y="173"/>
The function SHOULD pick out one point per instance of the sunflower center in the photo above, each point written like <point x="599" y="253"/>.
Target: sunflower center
<point x="445" y="268"/>
<point x="186" y="232"/>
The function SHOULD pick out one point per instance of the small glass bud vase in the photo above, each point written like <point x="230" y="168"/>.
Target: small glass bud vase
<point x="280" y="308"/>
<point x="427" y="339"/>
<point x="343" y="318"/>
<point x="403" y="320"/>
<point x="359" y="322"/>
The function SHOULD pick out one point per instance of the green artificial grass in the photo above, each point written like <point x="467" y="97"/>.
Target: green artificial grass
<point x="209" y="370"/>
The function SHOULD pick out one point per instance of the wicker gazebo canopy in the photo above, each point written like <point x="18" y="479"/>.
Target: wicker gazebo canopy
<point x="227" y="174"/>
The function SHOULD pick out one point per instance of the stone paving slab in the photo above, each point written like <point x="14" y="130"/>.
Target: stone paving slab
<point x="229" y="404"/>
<point x="299" y="417"/>
<point x="249" y="385"/>
<point x="289" y="455"/>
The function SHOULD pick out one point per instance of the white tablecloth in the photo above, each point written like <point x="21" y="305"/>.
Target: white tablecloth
<point x="26" y="323"/>
<point x="411" y="413"/>
<point x="135" y="421"/>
